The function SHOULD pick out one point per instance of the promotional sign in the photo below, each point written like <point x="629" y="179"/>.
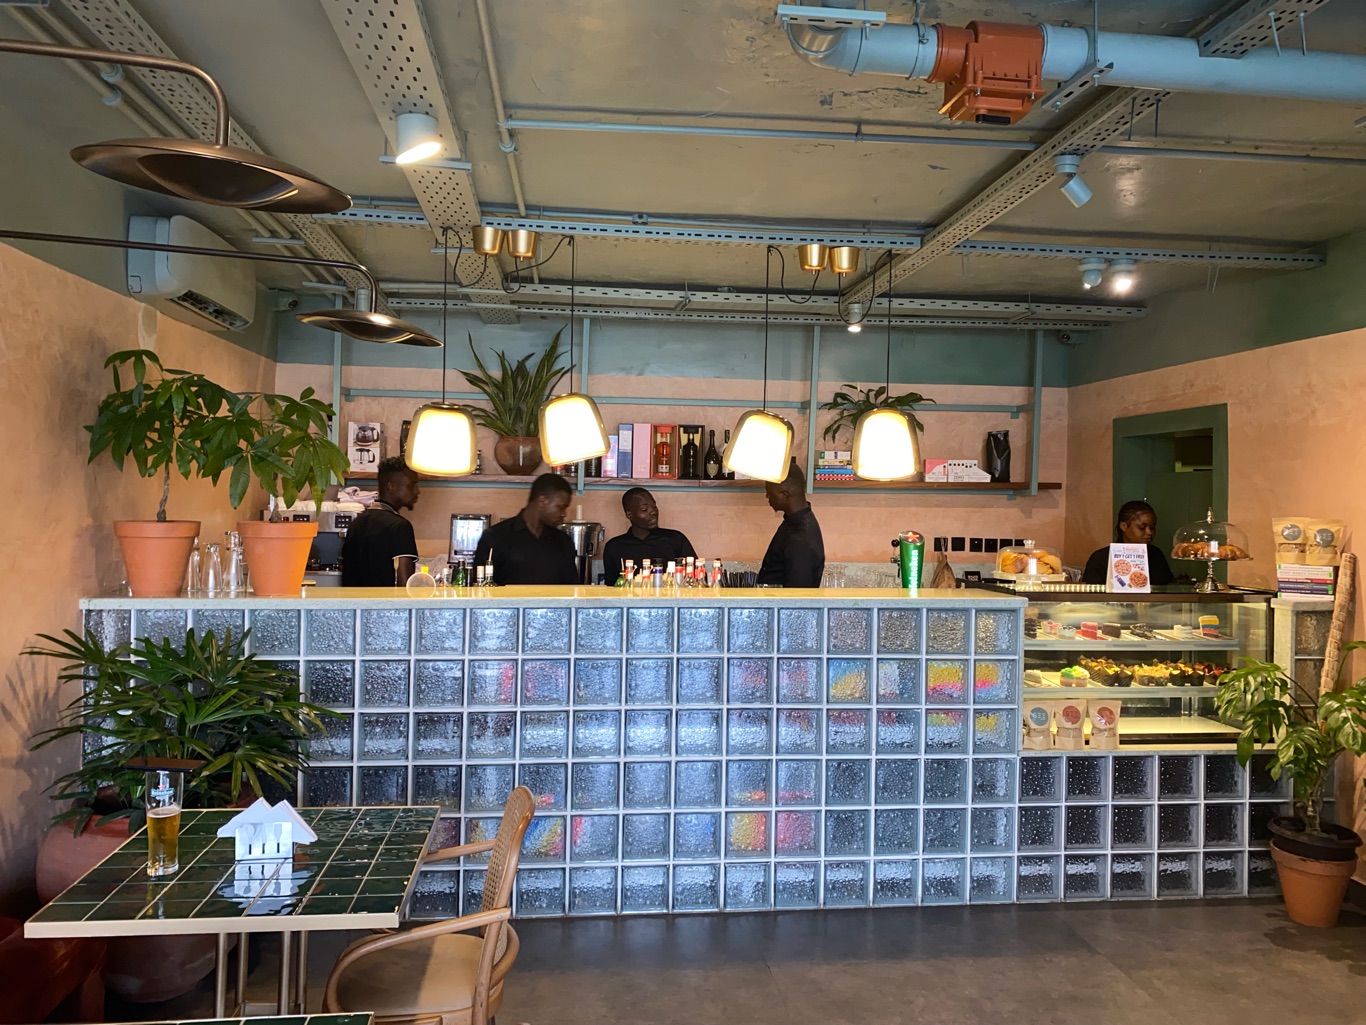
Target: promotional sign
<point x="1128" y="569"/>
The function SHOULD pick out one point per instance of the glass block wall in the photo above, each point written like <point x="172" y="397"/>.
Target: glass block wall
<point x="698" y="756"/>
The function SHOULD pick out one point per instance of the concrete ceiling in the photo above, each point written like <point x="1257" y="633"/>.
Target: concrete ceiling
<point x="726" y="63"/>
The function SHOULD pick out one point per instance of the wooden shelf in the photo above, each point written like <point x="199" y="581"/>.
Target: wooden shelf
<point x="855" y="484"/>
<point x="498" y="480"/>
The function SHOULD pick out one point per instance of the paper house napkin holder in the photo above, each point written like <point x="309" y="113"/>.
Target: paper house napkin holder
<point x="267" y="833"/>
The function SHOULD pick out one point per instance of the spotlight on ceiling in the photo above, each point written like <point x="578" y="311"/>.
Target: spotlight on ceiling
<point x="855" y="321"/>
<point x="418" y="138"/>
<point x="1092" y="270"/>
<point x="1068" y="165"/>
<point x="1122" y="275"/>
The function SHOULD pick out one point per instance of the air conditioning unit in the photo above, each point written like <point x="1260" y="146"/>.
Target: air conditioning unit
<point x="204" y="291"/>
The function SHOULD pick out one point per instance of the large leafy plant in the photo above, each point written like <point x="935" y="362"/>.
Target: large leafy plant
<point x="167" y="418"/>
<point x="517" y="392"/>
<point x="852" y="402"/>
<point x="1307" y="730"/>
<point x="207" y="699"/>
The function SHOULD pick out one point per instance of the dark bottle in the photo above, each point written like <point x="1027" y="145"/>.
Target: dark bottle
<point x="727" y="475"/>
<point x="711" y="462"/>
<point x="688" y="457"/>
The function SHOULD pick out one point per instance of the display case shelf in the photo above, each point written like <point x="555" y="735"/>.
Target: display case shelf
<point x="494" y="480"/>
<point x="1042" y="693"/>
<point x="1099" y="647"/>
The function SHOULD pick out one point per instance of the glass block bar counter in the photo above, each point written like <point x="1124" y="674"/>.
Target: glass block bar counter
<point x="734" y="749"/>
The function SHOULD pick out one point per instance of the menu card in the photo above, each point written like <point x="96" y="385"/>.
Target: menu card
<point x="1128" y="569"/>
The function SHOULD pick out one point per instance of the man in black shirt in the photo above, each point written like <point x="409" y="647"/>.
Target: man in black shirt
<point x="379" y="535"/>
<point x="645" y="540"/>
<point x="530" y="548"/>
<point x="796" y="555"/>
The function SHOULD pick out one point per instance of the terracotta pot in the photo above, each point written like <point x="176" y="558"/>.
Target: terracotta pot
<point x="145" y="969"/>
<point x="156" y="555"/>
<point x="1314" y="890"/>
<point x="518" y="457"/>
<point x="277" y="555"/>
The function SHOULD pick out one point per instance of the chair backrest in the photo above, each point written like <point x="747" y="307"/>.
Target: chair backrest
<point x="507" y="849"/>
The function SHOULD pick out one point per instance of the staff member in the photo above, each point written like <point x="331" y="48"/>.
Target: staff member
<point x="645" y="540"/>
<point x="379" y="535"/>
<point x="796" y="555"/>
<point x="1136" y="525"/>
<point x="530" y="548"/>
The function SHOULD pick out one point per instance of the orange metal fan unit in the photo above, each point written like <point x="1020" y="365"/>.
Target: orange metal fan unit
<point x="990" y="72"/>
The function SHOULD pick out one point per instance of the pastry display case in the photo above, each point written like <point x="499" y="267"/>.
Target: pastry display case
<point x="1161" y="654"/>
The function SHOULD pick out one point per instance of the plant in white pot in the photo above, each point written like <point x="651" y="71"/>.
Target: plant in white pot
<point x="1305" y="732"/>
<point x="155" y="422"/>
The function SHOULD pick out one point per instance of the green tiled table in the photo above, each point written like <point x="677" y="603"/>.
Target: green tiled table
<point x="356" y="875"/>
<point x="294" y="1019"/>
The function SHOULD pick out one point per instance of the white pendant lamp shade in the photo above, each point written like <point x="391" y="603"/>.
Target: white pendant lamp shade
<point x="417" y="138"/>
<point x="572" y="430"/>
<point x="885" y="446"/>
<point x="761" y="446"/>
<point x="441" y="441"/>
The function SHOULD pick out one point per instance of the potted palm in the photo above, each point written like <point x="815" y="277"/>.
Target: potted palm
<point x="1306" y="732"/>
<point x="154" y="417"/>
<point x="515" y="394"/>
<point x="851" y="402"/>
<point x="205" y="699"/>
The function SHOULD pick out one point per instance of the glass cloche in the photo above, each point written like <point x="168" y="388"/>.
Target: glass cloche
<point x="1210" y="541"/>
<point x="1029" y="561"/>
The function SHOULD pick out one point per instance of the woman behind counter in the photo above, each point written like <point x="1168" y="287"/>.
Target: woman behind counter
<point x="1137" y="524"/>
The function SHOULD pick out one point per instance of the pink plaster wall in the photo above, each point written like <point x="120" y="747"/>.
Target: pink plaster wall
<point x="58" y="546"/>
<point x="738" y="525"/>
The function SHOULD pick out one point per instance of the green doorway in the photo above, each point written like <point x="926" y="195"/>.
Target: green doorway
<point x="1175" y="461"/>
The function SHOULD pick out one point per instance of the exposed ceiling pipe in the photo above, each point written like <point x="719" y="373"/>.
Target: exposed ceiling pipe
<point x="993" y="73"/>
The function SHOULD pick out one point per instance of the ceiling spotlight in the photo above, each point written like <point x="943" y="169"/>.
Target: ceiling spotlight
<point x="521" y="243"/>
<point x="1122" y="275"/>
<point x="813" y="256"/>
<point x="418" y="138"/>
<point x="844" y="259"/>
<point x="488" y="241"/>
<point x="1078" y="193"/>
<point x="855" y="321"/>
<point x="1092" y="269"/>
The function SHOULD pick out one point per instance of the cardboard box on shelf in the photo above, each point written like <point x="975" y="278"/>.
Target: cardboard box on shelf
<point x="364" y="446"/>
<point x="642" y="450"/>
<point x="609" y="460"/>
<point x="955" y="471"/>
<point x="624" y="449"/>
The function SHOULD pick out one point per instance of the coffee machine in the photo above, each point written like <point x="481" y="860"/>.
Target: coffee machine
<point x="466" y="530"/>
<point x="587" y="537"/>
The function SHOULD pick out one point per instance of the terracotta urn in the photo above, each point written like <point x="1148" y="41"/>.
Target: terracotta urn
<point x="519" y="457"/>
<point x="156" y="554"/>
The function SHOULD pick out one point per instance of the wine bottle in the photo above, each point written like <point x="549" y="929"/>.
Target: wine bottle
<point x="687" y="457"/>
<point x="712" y="461"/>
<point x="730" y="474"/>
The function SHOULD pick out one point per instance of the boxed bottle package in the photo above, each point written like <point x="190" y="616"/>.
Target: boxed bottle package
<point x="642" y="450"/>
<point x="364" y="446"/>
<point x="955" y="471"/>
<point x="625" y="449"/>
<point x="609" y="461"/>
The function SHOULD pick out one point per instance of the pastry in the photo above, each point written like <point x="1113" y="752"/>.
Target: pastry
<point x="1111" y="630"/>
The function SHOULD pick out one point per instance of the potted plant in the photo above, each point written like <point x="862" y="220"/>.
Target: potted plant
<point x="207" y="699"/>
<point x="515" y="396"/>
<point x="155" y="421"/>
<point x="1306" y="732"/>
<point x="851" y="402"/>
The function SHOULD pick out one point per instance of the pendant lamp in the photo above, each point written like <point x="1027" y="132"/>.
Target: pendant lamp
<point x="761" y="445"/>
<point x="365" y="326"/>
<point x="571" y="425"/>
<point x="885" y="443"/>
<point x="205" y="172"/>
<point x="441" y="439"/>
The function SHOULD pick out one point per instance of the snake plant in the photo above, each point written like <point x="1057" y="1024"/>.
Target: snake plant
<point x="517" y="392"/>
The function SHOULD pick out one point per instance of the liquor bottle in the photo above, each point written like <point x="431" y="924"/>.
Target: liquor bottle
<point x="688" y="455"/>
<point x="711" y="462"/>
<point x="730" y="474"/>
<point x="664" y="456"/>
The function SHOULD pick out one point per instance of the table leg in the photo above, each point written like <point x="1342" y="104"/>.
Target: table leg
<point x="286" y="987"/>
<point x="301" y="976"/>
<point x="242" y="967"/>
<point x="220" y="976"/>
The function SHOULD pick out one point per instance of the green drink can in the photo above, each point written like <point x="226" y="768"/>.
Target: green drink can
<point x="911" y="547"/>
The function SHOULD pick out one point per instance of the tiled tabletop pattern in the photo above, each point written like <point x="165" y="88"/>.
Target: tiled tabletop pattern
<point x="356" y="875"/>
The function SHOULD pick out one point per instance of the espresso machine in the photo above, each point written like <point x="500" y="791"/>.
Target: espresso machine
<point x="588" y="539"/>
<point x="466" y="530"/>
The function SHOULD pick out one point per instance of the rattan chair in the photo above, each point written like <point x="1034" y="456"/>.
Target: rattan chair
<point x="445" y="973"/>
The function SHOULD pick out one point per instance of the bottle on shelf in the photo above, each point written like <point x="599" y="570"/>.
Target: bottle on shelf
<point x="665" y="442"/>
<point x="711" y="462"/>
<point x="690" y="453"/>
<point x="727" y="474"/>
<point x="462" y="574"/>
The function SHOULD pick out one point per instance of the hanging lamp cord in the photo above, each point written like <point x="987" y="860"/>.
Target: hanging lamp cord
<point x="445" y="300"/>
<point x="889" y="325"/>
<point x="768" y="279"/>
<point x="573" y="285"/>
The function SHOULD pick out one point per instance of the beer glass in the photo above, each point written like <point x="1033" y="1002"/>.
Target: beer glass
<point x="165" y="790"/>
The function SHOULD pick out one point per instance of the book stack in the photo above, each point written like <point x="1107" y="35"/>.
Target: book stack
<point x="834" y="464"/>
<point x="1316" y="580"/>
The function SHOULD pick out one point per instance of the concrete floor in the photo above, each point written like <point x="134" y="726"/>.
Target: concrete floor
<point x="1240" y="962"/>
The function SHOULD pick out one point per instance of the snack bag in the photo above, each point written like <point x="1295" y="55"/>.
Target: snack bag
<point x="1291" y="539"/>
<point x="1323" y="542"/>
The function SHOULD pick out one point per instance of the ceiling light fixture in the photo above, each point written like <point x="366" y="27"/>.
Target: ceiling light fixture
<point x="762" y="443"/>
<point x="488" y="241"/>
<point x="571" y="425"/>
<point x="1068" y="165"/>
<point x="205" y="172"/>
<point x="521" y="243"/>
<point x="1122" y="275"/>
<point x="364" y="326"/>
<point x="885" y="443"/>
<point x="844" y="259"/>
<point x="441" y="439"/>
<point x="1092" y="271"/>
<point x="418" y="138"/>
<point x="813" y="256"/>
<point x="855" y="321"/>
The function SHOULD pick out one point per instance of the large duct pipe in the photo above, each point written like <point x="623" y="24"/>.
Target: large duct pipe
<point x="1007" y="63"/>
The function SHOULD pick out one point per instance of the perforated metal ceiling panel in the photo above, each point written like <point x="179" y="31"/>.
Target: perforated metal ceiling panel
<point x="390" y="48"/>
